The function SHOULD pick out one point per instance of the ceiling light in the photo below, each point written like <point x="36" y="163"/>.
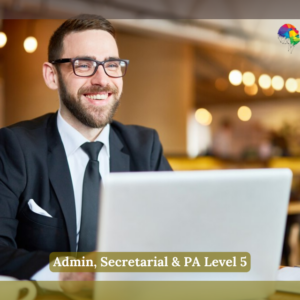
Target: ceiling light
<point x="277" y="83"/>
<point x="264" y="81"/>
<point x="291" y="85"/>
<point x="235" y="77"/>
<point x="298" y="85"/>
<point x="268" y="92"/>
<point x="248" y="78"/>
<point x="30" y="44"/>
<point x="251" y="90"/>
<point x="203" y="116"/>
<point x="244" y="113"/>
<point x="3" y="39"/>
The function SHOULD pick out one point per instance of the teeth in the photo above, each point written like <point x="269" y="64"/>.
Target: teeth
<point x="98" y="96"/>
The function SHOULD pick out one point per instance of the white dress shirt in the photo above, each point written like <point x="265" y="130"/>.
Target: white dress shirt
<point x="77" y="160"/>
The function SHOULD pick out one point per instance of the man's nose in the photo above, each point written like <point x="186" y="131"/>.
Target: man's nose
<point x="100" y="77"/>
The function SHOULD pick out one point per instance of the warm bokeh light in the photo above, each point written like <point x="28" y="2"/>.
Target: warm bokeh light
<point x="277" y="83"/>
<point x="291" y="85"/>
<point x="298" y="85"/>
<point x="248" y="79"/>
<point x="244" y="113"/>
<point x="251" y="90"/>
<point x="30" y="44"/>
<point x="264" y="81"/>
<point x="203" y="116"/>
<point x="268" y="92"/>
<point x="3" y="39"/>
<point x="221" y="84"/>
<point x="235" y="77"/>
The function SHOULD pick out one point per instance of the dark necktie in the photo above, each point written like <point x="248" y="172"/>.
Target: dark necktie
<point x="90" y="199"/>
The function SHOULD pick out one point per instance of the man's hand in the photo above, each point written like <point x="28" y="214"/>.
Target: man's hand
<point x="80" y="283"/>
<point x="77" y="282"/>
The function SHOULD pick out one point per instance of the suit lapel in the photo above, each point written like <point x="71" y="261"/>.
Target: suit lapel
<point x="60" y="178"/>
<point x="119" y="159"/>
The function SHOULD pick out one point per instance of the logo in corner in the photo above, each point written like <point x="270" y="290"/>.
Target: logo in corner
<point x="288" y="34"/>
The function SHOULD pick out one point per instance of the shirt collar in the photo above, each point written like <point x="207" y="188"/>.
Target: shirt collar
<point x="72" y="139"/>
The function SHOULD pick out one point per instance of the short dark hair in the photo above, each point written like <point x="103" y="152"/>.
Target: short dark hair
<point x="79" y="23"/>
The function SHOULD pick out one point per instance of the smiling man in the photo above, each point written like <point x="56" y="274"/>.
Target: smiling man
<point x="89" y="81"/>
<point x="51" y="167"/>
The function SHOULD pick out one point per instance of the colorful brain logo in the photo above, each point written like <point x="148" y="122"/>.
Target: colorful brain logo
<point x="288" y="34"/>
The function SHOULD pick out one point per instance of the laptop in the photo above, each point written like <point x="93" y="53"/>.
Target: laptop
<point x="196" y="211"/>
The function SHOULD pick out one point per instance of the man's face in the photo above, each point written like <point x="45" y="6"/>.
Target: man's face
<point x="91" y="100"/>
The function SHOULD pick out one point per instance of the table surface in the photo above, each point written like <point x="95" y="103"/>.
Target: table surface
<point x="284" y="296"/>
<point x="276" y="296"/>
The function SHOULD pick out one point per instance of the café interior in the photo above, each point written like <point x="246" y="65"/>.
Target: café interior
<point x="222" y="94"/>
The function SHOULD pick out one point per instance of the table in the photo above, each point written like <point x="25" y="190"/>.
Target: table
<point x="284" y="296"/>
<point x="276" y="296"/>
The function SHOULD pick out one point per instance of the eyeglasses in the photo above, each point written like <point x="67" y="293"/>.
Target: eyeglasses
<point x="85" y="67"/>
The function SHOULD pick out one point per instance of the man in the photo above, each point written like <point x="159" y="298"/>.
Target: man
<point x="44" y="162"/>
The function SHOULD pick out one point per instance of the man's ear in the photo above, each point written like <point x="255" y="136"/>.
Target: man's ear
<point x="50" y="76"/>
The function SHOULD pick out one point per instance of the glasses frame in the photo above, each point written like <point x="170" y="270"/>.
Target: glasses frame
<point x="98" y="63"/>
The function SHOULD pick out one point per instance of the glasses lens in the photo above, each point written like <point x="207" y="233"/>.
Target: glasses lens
<point x="115" y="68"/>
<point x="84" y="67"/>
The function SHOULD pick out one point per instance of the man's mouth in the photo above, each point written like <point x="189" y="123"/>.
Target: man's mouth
<point x="101" y="96"/>
<point x="98" y="96"/>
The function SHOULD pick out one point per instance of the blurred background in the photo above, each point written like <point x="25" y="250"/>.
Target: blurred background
<point x="222" y="93"/>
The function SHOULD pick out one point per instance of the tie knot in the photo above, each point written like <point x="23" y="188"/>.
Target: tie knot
<point x="92" y="149"/>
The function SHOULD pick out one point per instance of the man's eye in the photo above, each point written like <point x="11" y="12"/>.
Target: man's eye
<point x="82" y="65"/>
<point x="112" y="65"/>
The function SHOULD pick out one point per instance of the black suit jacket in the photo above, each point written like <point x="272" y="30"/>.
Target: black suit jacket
<point x="33" y="165"/>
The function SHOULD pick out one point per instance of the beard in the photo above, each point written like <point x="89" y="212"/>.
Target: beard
<point x="93" y="117"/>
